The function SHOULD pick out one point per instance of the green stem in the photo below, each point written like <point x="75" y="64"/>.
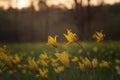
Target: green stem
<point x="82" y="48"/>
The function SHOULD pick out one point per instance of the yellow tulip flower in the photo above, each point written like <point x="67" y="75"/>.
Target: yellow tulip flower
<point x="6" y="59"/>
<point x="117" y="69"/>
<point x="59" y="69"/>
<point x="11" y="72"/>
<point x="1" y="50"/>
<point x="54" y="62"/>
<point x="95" y="49"/>
<point x="71" y="37"/>
<point x="81" y="66"/>
<point x="43" y="56"/>
<point x="104" y="64"/>
<point x="94" y="62"/>
<point x="16" y="59"/>
<point x="86" y="62"/>
<point x="44" y="63"/>
<point x="64" y="58"/>
<point x="43" y="73"/>
<point x="74" y="59"/>
<point x="24" y="71"/>
<point x="52" y="41"/>
<point x="99" y="36"/>
<point x="32" y="64"/>
<point x="117" y="61"/>
<point x="19" y="66"/>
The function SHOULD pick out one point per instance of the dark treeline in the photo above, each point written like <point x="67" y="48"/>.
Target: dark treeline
<point x="28" y="25"/>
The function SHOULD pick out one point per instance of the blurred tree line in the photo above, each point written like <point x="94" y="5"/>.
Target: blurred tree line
<point x="28" y="25"/>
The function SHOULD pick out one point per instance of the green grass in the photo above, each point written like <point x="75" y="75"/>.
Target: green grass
<point x="109" y="51"/>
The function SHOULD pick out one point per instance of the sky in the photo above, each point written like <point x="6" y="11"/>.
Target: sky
<point x="5" y="4"/>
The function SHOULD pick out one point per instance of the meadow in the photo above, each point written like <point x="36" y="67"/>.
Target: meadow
<point x="60" y="61"/>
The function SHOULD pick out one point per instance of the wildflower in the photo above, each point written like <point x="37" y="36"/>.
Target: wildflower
<point x="43" y="73"/>
<point x="99" y="36"/>
<point x="80" y="51"/>
<point x="71" y="37"/>
<point x="117" y="61"/>
<point x="16" y="59"/>
<point x="64" y="58"/>
<point x="94" y="62"/>
<point x="54" y="62"/>
<point x="24" y="66"/>
<point x="11" y="72"/>
<point x="117" y="69"/>
<point x="44" y="63"/>
<point x="95" y="49"/>
<point x="104" y="64"/>
<point x="1" y="50"/>
<point x="87" y="62"/>
<point x="43" y="56"/>
<point x="1" y="71"/>
<point x="59" y="69"/>
<point x="32" y="64"/>
<point x="19" y="66"/>
<point x="4" y="46"/>
<point x="52" y="41"/>
<point x="6" y="59"/>
<point x="24" y="71"/>
<point x="75" y="59"/>
<point x="81" y="66"/>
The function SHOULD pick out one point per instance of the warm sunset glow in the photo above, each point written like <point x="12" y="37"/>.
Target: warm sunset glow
<point x="4" y="4"/>
<point x="36" y="5"/>
<point x="23" y="4"/>
<point x="20" y="4"/>
<point x="64" y="3"/>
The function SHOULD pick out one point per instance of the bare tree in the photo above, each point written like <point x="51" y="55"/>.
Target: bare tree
<point x="89" y="16"/>
<point x="83" y="18"/>
<point x="43" y="4"/>
<point x="79" y="16"/>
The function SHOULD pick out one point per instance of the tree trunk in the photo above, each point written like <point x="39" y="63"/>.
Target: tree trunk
<point x="79" y="16"/>
<point x="88" y="27"/>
